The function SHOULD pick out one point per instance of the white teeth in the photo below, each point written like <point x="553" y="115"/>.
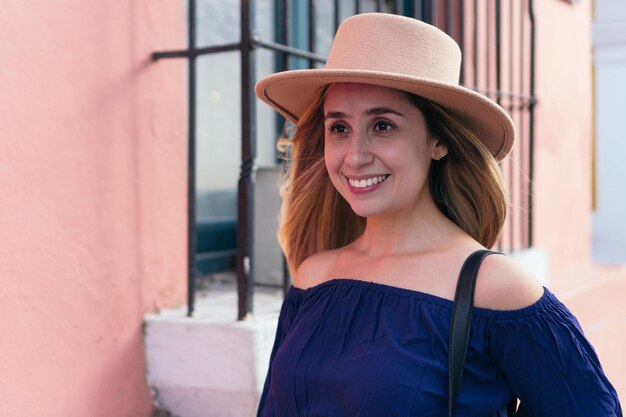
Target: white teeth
<point x="368" y="182"/>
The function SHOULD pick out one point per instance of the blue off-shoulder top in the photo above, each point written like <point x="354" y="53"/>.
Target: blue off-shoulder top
<point x="353" y="348"/>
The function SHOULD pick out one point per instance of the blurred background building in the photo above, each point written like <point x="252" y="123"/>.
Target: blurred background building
<point x="609" y="43"/>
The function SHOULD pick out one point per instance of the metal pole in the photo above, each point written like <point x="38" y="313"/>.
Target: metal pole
<point x="488" y="47"/>
<point x="273" y="46"/>
<point x="498" y="52"/>
<point x="462" y="37"/>
<point x="499" y="93"/>
<point x="531" y="123"/>
<point x="188" y="53"/>
<point x="312" y="40"/>
<point x="245" y="201"/>
<point x="191" y="163"/>
<point x="511" y="109"/>
<point x="448" y="19"/>
<point x="418" y="9"/>
<point x="475" y="45"/>
<point x="524" y="155"/>
<point x="284" y="38"/>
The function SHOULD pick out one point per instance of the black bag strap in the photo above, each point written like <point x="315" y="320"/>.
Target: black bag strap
<point x="460" y="323"/>
<point x="460" y="327"/>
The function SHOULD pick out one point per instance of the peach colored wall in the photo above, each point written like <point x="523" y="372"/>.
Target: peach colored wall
<point x="563" y="132"/>
<point x="92" y="200"/>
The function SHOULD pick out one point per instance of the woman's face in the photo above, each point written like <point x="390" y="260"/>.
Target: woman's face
<point x="376" y="148"/>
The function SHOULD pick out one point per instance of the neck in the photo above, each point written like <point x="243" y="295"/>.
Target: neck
<point x="420" y="230"/>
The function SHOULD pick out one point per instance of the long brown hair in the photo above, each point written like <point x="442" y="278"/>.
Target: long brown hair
<point x="466" y="186"/>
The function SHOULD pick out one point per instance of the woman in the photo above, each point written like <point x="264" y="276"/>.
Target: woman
<point x="393" y="183"/>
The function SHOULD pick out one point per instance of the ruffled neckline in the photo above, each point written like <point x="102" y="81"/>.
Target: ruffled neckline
<point x="541" y="304"/>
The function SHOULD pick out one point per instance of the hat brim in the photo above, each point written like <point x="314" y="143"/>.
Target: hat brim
<point x="290" y="93"/>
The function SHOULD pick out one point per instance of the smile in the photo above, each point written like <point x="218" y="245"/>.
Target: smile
<point x="367" y="182"/>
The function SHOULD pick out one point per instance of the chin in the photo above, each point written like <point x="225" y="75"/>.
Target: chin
<point x="361" y="211"/>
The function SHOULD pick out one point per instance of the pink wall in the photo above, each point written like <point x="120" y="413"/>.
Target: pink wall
<point x="563" y="132"/>
<point x="92" y="200"/>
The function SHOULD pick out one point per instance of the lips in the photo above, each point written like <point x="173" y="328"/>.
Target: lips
<point x="367" y="181"/>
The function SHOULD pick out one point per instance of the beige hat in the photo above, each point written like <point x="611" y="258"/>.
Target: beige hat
<point x="397" y="52"/>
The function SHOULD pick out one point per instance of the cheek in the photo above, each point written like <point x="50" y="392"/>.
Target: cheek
<point x="331" y="158"/>
<point x="333" y="162"/>
<point x="413" y="160"/>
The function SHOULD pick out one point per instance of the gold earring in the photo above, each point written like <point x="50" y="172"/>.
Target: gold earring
<point x="437" y="155"/>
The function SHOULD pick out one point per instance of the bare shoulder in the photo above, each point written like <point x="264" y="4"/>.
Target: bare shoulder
<point x="314" y="269"/>
<point x="504" y="284"/>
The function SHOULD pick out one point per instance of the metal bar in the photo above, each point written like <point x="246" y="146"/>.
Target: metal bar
<point x="218" y="48"/>
<point x="462" y="36"/>
<point x="488" y="45"/>
<point x="418" y="9"/>
<point x="185" y="53"/>
<point x="531" y="124"/>
<point x="337" y="16"/>
<point x="245" y="201"/>
<point x="380" y="6"/>
<point x="510" y="108"/>
<point x="287" y="26"/>
<point x="498" y="51"/>
<point x="398" y="7"/>
<point x="524" y="100"/>
<point x="498" y="91"/>
<point x="194" y="52"/>
<point x="256" y="40"/>
<point x="284" y="20"/>
<point x="522" y="148"/>
<point x="475" y="42"/>
<point x="448" y="19"/>
<point x="311" y="22"/>
<point x="282" y="59"/>
<point x="191" y="163"/>
<point x="286" y="276"/>
<point x="357" y="6"/>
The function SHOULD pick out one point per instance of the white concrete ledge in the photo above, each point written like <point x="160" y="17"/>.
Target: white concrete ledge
<point x="535" y="260"/>
<point x="211" y="365"/>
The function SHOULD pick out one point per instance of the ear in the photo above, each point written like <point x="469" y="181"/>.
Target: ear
<point x="439" y="151"/>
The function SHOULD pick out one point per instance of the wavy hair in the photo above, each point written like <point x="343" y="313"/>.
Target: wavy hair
<point x="466" y="185"/>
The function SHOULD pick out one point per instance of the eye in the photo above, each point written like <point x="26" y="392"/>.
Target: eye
<point x="383" y="126"/>
<point x="338" y="128"/>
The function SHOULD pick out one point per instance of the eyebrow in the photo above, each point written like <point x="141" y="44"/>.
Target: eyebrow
<point x="376" y="111"/>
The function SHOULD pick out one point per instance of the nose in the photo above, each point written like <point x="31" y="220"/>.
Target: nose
<point x="358" y="152"/>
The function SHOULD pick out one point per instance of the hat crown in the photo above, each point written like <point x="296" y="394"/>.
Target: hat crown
<point x="396" y="45"/>
<point x="394" y="52"/>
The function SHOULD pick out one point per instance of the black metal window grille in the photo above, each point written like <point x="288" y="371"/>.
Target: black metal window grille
<point x="497" y="39"/>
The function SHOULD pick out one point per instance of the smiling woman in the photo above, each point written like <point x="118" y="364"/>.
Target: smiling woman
<point x="330" y="145"/>
<point x="393" y="185"/>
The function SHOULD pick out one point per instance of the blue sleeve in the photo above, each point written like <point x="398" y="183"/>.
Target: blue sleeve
<point x="286" y="317"/>
<point x="550" y="365"/>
